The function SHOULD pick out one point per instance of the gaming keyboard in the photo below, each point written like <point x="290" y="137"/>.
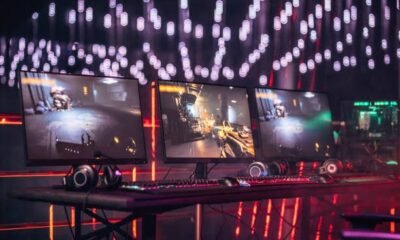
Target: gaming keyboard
<point x="277" y="180"/>
<point x="173" y="186"/>
<point x="197" y="185"/>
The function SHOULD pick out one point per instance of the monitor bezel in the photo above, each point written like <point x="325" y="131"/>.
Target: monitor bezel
<point x="188" y="160"/>
<point x="290" y="158"/>
<point x="69" y="162"/>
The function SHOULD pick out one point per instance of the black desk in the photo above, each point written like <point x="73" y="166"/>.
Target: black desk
<point x="147" y="206"/>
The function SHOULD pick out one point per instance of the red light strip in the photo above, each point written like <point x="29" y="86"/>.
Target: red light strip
<point x="301" y="168"/>
<point x="94" y="210"/>
<point x="153" y="131"/>
<point x="239" y="216"/>
<point x="134" y="222"/>
<point x="72" y="217"/>
<point x="334" y="202"/>
<point x="10" y="119"/>
<point x="268" y="218"/>
<point x="318" y="233"/>
<point x="282" y="215"/>
<point x="253" y="217"/>
<point x="392" y="224"/>
<point x="294" y="220"/>
<point x="28" y="174"/>
<point x="51" y="222"/>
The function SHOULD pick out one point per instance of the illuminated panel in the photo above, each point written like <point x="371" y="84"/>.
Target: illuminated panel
<point x="282" y="215"/>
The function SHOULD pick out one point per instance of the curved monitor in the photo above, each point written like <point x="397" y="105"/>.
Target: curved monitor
<point x="72" y="119"/>
<point x="205" y="123"/>
<point x="294" y="124"/>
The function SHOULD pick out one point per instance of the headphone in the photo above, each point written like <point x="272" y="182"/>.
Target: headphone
<point x="331" y="166"/>
<point x="112" y="177"/>
<point x="85" y="177"/>
<point x="82" y="178"/>
<point x="260" y="169"/>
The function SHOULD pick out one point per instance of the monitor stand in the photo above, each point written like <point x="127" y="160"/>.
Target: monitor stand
<point x="200" y="172"/>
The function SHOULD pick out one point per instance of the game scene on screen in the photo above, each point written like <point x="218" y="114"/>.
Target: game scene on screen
<point x="74" y="117"/>
<point x="294" y="124"/>
<point x="205" y="121"/>
<point x="371" y="120"/>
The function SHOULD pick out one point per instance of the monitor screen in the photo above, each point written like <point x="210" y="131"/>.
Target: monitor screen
<point x="205" y="123"/>
<point x="294" y="125"/>
<point x="371" y="120"/>
<point x="71" y="119"/>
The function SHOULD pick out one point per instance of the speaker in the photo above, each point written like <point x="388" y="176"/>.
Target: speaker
<point x="82" y="178"/>
<point x="112" y="177"/>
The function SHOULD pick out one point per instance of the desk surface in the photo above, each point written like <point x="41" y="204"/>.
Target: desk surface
<point x="136" y="201"/>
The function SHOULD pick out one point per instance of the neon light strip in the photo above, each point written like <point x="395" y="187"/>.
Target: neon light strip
<point x="239" y="216"/>
<point x="134" y="222"/>
<point x="318" y="233"/>
<point x="153" y="131"/>
<point x="51" y="222"/>
<point x="294" y="221"/>
<point x="26" y="174"/>
<point x="392" y="224"/>
<point x="282" y="215"/>
<point x="253" y="217"/>
<point x="94" y="210"/>
<point x="268" y="218"/>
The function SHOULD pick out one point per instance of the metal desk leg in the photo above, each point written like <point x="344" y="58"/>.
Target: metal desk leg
<point x="149" y="227"/>
<point x="305" y="218"/>
<point x="198" y="221"/>
<point x="78" y="223"/>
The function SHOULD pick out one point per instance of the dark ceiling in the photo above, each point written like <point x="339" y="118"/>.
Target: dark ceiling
<point x="13" y="13"/>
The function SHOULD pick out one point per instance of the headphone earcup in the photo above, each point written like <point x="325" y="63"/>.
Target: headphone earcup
<point x="83" y="177"/>
<point x="112" y="177"/>
<point x="278" y="168"/>
<point x="258" y="169"/>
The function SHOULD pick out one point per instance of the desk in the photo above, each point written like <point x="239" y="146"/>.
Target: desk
<point x="147" y="206"/>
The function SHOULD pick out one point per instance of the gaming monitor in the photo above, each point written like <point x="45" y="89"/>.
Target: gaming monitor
<point x="371" y="120"/>
<point x="72" y="120"/>
<point x="205" y="123"/>
<point x="294" y="125"/>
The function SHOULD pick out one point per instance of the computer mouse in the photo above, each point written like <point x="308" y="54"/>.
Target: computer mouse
<point x="229" y="182"/>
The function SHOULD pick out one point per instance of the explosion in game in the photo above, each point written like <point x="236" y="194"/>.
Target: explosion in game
<point x="205" y="121"/>
<point x="294" y="124"/>
<point x="73" y="117"/>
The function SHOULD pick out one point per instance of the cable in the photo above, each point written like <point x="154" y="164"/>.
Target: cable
<point x="223" y="223"/>
<point x="106" y="218"/>
<point x="236" y="218"/>
<point x="69" y="222"/>
<point x="167" y="173"/>
<point x="211" y="168"/>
